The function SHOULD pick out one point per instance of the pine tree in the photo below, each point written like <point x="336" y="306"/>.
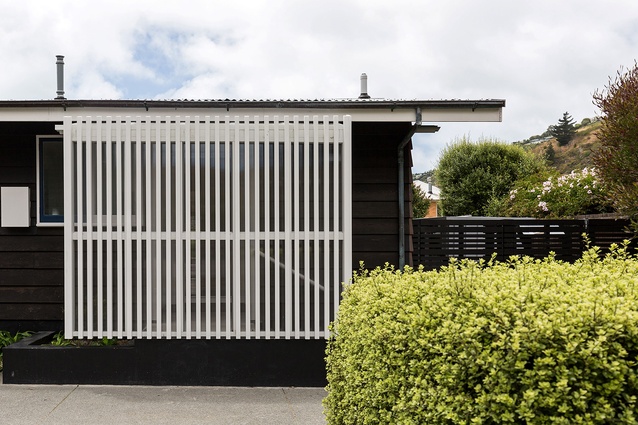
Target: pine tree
<point x="564" y="131"/>
<point x="550" y="153"/>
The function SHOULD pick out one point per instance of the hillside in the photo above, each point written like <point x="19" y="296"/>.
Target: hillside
<point x="576" y="155"/>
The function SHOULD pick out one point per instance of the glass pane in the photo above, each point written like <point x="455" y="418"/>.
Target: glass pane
<point x="52" y="162"/>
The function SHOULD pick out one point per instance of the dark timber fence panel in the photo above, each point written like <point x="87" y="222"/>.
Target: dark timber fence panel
<point x="436" y="240"/>
<point x="604" y="232"/>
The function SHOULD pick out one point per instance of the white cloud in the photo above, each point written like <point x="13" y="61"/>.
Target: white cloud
<point x="543" y="57"/>
<point x="93" y="86"/>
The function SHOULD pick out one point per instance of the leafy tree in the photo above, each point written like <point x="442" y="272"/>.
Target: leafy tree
<point x="617" y="157"/>
<point x="564" y="131"/>
<point x="471" y="175"/>
<point x="420" y="202"/>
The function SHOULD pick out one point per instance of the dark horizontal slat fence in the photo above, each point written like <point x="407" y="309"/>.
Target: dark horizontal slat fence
<point x="436" y="240"/>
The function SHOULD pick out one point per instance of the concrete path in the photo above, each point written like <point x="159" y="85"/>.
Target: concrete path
<point x="93" y="404"/>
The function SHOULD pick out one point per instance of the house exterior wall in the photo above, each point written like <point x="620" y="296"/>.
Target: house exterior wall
<point x="375" y="211"/>
<point x="433" y="210"/>
<point x="31" y="258"/>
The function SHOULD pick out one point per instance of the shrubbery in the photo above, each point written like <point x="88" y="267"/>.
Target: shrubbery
<point x="577" y="193"/>
<point x="471" y="175"/>
<point x="617" y="156"/>
<point x="523" y="342"/>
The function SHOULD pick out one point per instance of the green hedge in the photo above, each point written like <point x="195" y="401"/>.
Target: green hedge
<point x="523" y="342"/>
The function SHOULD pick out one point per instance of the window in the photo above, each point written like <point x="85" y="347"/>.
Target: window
<point x="50" y="169"/>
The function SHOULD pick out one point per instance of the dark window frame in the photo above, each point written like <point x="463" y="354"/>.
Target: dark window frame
<point x="42" y="217"/>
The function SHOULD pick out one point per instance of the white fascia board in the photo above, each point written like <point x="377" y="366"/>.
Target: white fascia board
<point x="462" y="115"/>
<point x="435" y="114"/>
<point x="58" y="114"/>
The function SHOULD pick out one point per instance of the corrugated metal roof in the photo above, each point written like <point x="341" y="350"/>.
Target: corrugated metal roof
<point x="258" y="103"/>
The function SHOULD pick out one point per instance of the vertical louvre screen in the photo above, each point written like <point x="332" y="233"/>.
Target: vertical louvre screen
<point x="206" y="227"/>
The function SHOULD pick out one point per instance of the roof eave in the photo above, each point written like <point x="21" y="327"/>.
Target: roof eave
<point x="270" y="104"/>
<point x="371" y="110"/>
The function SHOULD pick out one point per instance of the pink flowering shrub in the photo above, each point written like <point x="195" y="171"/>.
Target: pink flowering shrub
<point x="568" y="195"/>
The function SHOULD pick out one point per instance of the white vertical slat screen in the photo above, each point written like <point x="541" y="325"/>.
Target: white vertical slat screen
<point x="206" y="227"/>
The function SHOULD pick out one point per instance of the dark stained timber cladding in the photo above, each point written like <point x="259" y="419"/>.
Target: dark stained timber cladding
<point x="32" y="294"/>
<point x="374" y="185"/>
<point x="376" y="191"/>
<point x="42" y="243"/>
<point x="31" y="311"/>
<point x="34" y="277"/>
<point x="373" y="209"/>
<point x="18" y="140"/>
<point x="374" y="175"/>
<point x="32" y="258"/>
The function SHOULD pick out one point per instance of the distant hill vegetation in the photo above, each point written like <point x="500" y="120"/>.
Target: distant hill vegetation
<point x="575" y="155"/>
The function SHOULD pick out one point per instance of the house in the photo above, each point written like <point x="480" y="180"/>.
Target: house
<point x="203" y="219"/>
<point x="432" y="193"/>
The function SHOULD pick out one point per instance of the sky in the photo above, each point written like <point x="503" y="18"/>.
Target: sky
<point x="544" y="57"/>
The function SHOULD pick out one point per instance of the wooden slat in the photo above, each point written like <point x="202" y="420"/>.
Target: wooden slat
<point x="32" y="277"/>
<point x="296" y="191"/>
<point x="198" y="239"/>
<point x="327" y="219"/>
<point x="139" y="299"/>
<point x="109" y="228"/>
<point x="288" y="224"/>
<point x="306" y="226"/>
<point x="35" y="311"/>
<point x="31" y="294"/>
<point x="159" y="223"/>
<point x="256" y="202"/>
<point x="69" y="244"/>
<point x="277" y="214"/>
<point x="148" y="225"/>
<point x="267" y="228"/>
<point x="316" y="228"/>
<point x="338" y="170"/>
<point x="31" y="260"/>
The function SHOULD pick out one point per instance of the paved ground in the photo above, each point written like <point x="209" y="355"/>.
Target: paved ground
<point x="105" y="404"/>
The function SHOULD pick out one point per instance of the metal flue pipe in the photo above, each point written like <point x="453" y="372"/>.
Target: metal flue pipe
<point x="60" y="72"/>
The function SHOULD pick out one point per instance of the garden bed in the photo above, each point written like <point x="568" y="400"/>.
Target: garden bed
<point x="34" y="360"/>
<point x="232" y="362"/>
